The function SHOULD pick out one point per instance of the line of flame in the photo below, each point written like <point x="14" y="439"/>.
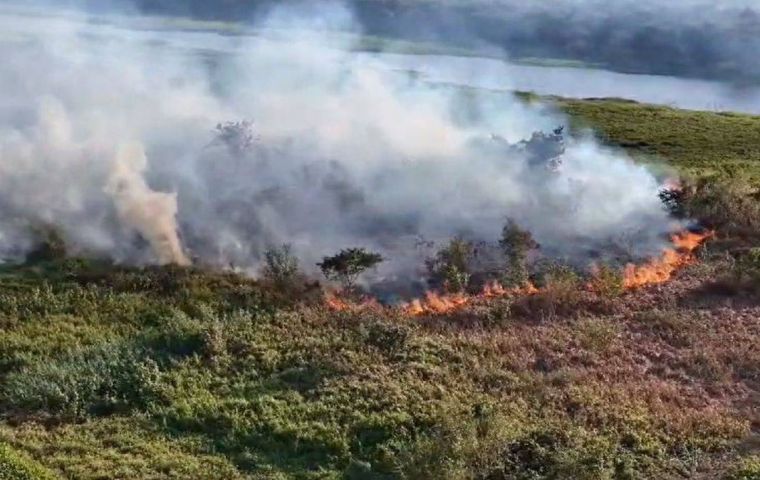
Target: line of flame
<point x="655" y="271"/>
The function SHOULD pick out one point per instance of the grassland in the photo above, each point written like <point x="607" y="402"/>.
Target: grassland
<point x="696" y="143"/>
<point x="112" y="372"/>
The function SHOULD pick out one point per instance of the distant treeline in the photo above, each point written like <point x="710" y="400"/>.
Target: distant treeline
<point x="706" y="39"/>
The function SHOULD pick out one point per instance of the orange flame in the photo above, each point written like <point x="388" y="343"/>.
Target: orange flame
<point x="338" y="304"/>
<point x="436" y="304"/>
<point x="661" y="269"/>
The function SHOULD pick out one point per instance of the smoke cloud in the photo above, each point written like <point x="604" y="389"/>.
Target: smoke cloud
<point x="696" y="38"/>
<point x="109" y="137"/>
<point x="151" y="214"/>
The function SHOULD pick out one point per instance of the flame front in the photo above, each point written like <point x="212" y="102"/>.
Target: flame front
<point x="660" y="270"/>
<point x="655" y="271"/>
<point x="338" y="304"/>
<point x="436" y="304"/>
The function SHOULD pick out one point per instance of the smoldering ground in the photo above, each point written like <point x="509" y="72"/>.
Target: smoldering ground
<point x="112" y="143"/>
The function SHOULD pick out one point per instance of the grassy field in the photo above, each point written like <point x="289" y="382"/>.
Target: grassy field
<point x="111" y="372"/>
<point x="723" y="145"/>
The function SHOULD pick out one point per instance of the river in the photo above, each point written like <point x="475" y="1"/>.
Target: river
<point x="470" y="71"/>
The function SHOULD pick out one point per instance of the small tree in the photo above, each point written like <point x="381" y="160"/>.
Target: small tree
<point x="236" y="136"/>
<point x="348" y="264"/>
<point x="516" y="244"/>
<point x="450" y="268"/>
<point x="51" y="246"/>
<point x="280" y="266"/>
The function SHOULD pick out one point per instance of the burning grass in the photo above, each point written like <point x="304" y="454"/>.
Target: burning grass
<point x="561" y="289"/>
<point x="662" y="269"/>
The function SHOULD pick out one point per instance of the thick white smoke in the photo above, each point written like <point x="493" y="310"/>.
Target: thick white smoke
<point x="108" y="136"/>
<point x="151" y="214"/>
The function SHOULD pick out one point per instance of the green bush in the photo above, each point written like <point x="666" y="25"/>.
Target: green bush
<point x="730" y="207"/>
<point x="449" y="269"/>
<point x="281" y="267"/>
<point x="17" y="467"/>
<point x="748" y="265"/>
<point x="104" y="379"/>
<point x="516" y="244"/>
<point x="560" y="294"/>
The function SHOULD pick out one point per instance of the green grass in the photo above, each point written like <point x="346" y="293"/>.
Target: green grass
<point x="695" y="143"/>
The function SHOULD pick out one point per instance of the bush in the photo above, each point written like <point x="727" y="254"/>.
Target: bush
<point x="93" y="381"/>
<point x="516" y="244"/>
<point x="748" y="265"/>
<point x="731" y="207"/>
<point x="50" y="247"/>
<point x="450" y="268"/>
<point x="238" y="137"/>
<point x="671" y="326"/>
<point x="560" y="294"/>
<point x="281" y="268"/>
<point x="607" y="281"/>
<point x="596" y="334"/>
<point x="16" y="467"/>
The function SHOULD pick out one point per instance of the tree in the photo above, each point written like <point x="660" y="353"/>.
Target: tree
<point x="348" y="264"/>
<point x="516" y="244"/>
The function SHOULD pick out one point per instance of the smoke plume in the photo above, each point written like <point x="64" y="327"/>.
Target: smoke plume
<point x="108" y="135"/>
<point x="151" y="214"/>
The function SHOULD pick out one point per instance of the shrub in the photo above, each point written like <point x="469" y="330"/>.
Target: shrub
<point x="748" y="265"/>
<point x="516" y="244"/>
<point x="671" y="326"/>
<point x="50" y="246"/>
<point x="214" y="342"/>
<point x="98" y="380"/>
<point x="450" y="268"/>
<point x="596" y="334"/>
<point x="560" y="294"/>
<point x="607" y="281"/>
<point x="281" y="267"/>
<point x="236" y="136"/>
<point x="731" y="207"/>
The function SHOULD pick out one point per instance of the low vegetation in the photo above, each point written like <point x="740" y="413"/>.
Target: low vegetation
<point x="178" y="373"/>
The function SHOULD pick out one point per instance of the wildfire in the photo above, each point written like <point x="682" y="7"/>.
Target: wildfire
<point x="661" y="269"/>
<point x="437" y="304"/>
<point x="658" y="270"/>
<point x="335" y="302"/>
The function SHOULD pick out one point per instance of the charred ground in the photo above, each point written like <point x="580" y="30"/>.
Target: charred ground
<point x="111" y="372"/>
